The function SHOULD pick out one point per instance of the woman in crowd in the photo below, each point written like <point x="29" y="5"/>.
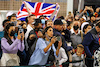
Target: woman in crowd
<point x="43" y="47"/>
<point x="85" y="27"/>
<point x="10" y="46"/>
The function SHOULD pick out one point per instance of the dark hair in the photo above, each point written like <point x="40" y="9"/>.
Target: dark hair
<point x="77" y="19"/>
<point x="92" y="15"/>
<point x="45" y="16"/>
<point x="41" y="16"/>
<point x="45" y="23"/>
<point x="68" y="23"/>
<point x="37" y="21"/>
<point x="13" y="15"/>
<point x="98" y="24"/>
<point x="6" y="33"/>
<point x="46" y="29"/>
<point x="26" y="19"/>
<point x="6" y="20"/>
<point x="86" y="27"/>
<point x="61" y="17"/>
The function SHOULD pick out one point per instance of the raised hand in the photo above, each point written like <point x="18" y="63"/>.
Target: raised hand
<point x="53" y="40"/>
<point x="19" y="35"/>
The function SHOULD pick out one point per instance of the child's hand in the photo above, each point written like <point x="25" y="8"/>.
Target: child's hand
<point x="73" y="50"/>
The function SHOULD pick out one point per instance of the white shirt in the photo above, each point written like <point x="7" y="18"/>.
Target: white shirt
<point x="77" y="58"/>
<point x="29" y="28"/>
<point x="62" y="56"/>
<point x="72" y="31"/>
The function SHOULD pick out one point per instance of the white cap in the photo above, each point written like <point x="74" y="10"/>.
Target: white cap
<point x="83" y="24"/>
<point x="64" y="22"/>
<point x="84" y="17"/>
<point x="9" y="13"/>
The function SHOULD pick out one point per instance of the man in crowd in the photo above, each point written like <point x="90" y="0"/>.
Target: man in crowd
<point x="30" y="27"/>
<point x="13" y="19"/>
<point x="34" y="34"/>
<point x="76" y="34"/>
<point x="58" y="25"/>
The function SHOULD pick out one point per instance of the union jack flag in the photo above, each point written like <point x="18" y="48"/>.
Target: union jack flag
<point x="37" y="8"/>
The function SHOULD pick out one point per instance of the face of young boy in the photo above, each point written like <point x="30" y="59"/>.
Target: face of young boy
<point x="79" y="51"/>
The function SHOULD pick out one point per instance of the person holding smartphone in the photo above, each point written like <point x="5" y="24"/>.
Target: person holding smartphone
<point x="43" y="47"/>
<point x="10" y="46"/>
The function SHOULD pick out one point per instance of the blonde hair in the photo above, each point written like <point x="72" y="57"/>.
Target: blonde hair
<point x="80" y="46"/>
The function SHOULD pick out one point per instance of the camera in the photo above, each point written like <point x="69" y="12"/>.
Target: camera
<point x="20" y="28"/>
<point x="58" y="38"/>
<point x="15" y="22"/>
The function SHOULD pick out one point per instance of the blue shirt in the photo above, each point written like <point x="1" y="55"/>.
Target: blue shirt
<point x="90" y="43"/>
<point x="64" y="44"/>
<point x="39" y="57"/>
<point x="1" y="34"/>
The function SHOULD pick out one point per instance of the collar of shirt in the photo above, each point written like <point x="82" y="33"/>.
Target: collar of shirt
<point x="29" y="27"/>
<point x="12" y="40"/>
<point x="72" y="31"/>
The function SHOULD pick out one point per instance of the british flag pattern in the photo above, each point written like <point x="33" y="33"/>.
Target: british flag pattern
<point x="38" y="9"/>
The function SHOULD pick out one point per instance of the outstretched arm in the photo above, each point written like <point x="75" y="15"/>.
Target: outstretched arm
<point x="29" y="12"/>
<point x="53" y="12"/>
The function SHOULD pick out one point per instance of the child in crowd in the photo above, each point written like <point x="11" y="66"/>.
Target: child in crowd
<point x="78" y="56"/>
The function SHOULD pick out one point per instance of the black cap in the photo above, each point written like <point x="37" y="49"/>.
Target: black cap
<point x="58" y="22"/>
<point x="61" y="17"/>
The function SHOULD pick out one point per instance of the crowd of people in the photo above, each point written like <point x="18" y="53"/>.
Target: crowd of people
<point x="38" y="41"/>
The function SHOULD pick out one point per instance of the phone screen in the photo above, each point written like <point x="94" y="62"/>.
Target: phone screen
<point x="58" y="38"/>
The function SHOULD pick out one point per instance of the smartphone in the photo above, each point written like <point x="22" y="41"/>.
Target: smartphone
<point x="20" y="30"/>
<point x="58" y="38"/>
<point x="88" y="8"/>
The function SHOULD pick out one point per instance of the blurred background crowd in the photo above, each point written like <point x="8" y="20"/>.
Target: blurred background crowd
<point x="38" y="41"/>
